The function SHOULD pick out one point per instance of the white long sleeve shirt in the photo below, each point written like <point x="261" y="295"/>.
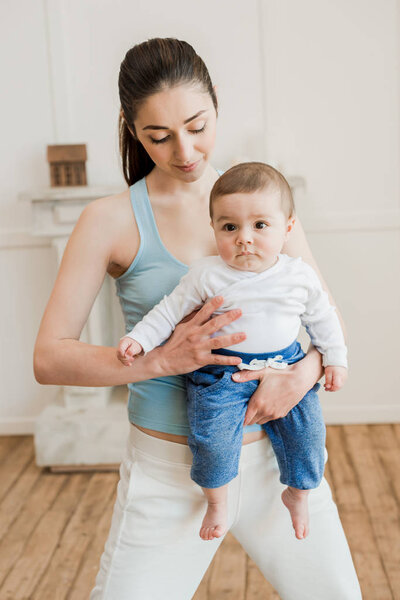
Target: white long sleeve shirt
<point x="274" y="304"/>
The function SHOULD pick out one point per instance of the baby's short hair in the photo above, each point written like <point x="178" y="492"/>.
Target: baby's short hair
<point x="252" y="177"/>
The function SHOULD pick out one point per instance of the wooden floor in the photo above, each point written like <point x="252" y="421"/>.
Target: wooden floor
<point x="53" y="526"/>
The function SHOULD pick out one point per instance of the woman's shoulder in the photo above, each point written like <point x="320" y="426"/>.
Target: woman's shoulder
<point x="111" y="218"/>
<point x="113" y="207"/>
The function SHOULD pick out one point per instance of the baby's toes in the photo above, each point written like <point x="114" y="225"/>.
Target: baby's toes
<point x="218" y="531"/>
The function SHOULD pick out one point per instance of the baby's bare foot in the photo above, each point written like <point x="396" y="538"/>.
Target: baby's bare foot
<point x="297" y="503"/>
<point x="214" y="522"/>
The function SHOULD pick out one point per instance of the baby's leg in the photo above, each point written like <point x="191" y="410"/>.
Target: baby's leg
<point x="215" y="520"/>
<point x="298" y="441"/>
<point x="296" y="501"/>
<point x="216" y="414"/>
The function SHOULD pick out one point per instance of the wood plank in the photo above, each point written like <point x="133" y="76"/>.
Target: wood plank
<point x="378" y="497"/>
<point x="202" y="590"/>
<point x="396" y="428"/>
<point x="258" y="588"/>
<point x="8" y="444"/>
<point x="66" y="560"/>
<point x="328" y="477"/>
<point x="85" y="579"/>
<point x="41" y="498"/>
<point x="347" y="492"/>
<point x="99" y="468"/>
<point x="17" y="495"/>
<point x="228" y="577"/>
<point x="14" y="463"/>
<point x="356" y="520"/>
<point x="385" y="443"/>
<point x="33" y="561"/>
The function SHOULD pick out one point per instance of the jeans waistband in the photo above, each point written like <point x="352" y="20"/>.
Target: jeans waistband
<point x="291" y="353"/>
<point x="181" y="453"/>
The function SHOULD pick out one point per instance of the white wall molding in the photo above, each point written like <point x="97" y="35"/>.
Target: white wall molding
<point x="351" y="221"/>
<point x="17" y="426"/>
<point x="329" y="222"/>
<point x="22" y="238"/>
<point x="361" y="414"/>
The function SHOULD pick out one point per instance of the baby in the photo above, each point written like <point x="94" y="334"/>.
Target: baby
<point x="252" y="214"/>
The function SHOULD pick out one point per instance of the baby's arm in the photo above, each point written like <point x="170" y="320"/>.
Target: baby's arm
<point x="323" y="327"/>
<point x="161" y="320"/>
<point x="335" y="378"/>
<point x="127" y="350"/>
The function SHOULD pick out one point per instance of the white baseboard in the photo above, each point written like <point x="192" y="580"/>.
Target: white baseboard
<point x="17" y="426"/>
<point x="349" y="415"/>
<point x="356" y="414"/>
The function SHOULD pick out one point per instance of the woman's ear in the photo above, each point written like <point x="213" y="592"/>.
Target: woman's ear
<point x="122" y="116"/>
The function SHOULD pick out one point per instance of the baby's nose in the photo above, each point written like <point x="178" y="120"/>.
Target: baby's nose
<point x="244" y="238"/>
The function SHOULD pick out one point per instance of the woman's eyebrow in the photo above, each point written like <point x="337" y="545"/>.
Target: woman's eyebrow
<point x="184" y="122"/>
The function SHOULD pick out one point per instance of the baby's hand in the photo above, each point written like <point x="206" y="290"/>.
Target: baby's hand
<point x="335" y="378"/>
<point x="127" y="350"/>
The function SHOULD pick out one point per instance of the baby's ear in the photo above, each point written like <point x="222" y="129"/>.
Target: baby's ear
<point x="290" y="224"/>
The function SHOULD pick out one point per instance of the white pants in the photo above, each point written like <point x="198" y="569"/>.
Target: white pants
<point x="154" y="551"/>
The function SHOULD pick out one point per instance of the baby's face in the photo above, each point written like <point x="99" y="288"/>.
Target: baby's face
<point x="250" y="229"/>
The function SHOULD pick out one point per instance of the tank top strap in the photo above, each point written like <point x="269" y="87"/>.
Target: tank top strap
<point x="149" y="236"/>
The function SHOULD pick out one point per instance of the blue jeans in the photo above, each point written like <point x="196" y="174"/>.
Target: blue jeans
<point x="216" y="409"/>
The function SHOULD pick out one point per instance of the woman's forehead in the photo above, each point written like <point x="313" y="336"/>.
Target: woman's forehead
<point x="172" y="107"/>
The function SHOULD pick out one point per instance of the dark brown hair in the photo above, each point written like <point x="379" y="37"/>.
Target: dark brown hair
<point x="146" y="69"/>
<point x="252" y="177"/>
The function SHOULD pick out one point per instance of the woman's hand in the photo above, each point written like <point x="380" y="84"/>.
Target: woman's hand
<point x="280" y="390"/>
<point x="190" y="345"/>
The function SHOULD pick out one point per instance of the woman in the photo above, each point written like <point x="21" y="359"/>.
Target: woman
<point x="145" y="238"/>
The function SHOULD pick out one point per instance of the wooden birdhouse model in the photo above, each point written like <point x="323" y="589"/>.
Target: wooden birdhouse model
<point x="67" y="164"/>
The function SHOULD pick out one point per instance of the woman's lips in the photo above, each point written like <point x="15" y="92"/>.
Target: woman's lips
<point x="188" y="168"/>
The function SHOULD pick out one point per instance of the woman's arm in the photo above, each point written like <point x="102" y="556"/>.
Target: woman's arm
<point x="297" y="245"/>
<point x="61" y="359"/>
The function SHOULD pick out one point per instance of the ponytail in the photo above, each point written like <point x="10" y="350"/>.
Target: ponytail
<point x="136" y="163"/>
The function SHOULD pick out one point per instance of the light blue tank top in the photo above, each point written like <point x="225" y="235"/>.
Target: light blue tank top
<point x="160" y="403"/>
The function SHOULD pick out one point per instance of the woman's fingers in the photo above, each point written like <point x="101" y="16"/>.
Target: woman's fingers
<point x="250" y="416"/>
<point x="207" y="310"/>
<point x="247" y="375"/>
<point x="210" y="326"/>
<point x="216" y="323"/>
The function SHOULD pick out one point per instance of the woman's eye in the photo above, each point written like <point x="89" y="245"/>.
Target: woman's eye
<point x="198" y="130"/>
<point x="229" y="227"/>
<point x="159" y="141"/>
<point x="260" y="225"/>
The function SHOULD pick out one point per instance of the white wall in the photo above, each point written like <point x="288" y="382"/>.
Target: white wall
<point x="311" y="86"/>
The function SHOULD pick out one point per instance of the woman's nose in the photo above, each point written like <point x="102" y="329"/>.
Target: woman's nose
<point x="183" y="150"/>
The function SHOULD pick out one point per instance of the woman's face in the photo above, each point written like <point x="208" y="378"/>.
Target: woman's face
<point x="177" y="128"/>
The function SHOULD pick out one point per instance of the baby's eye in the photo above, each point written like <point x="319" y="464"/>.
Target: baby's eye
<point x="229" y="227"/>
<point x="260" y="225"/>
